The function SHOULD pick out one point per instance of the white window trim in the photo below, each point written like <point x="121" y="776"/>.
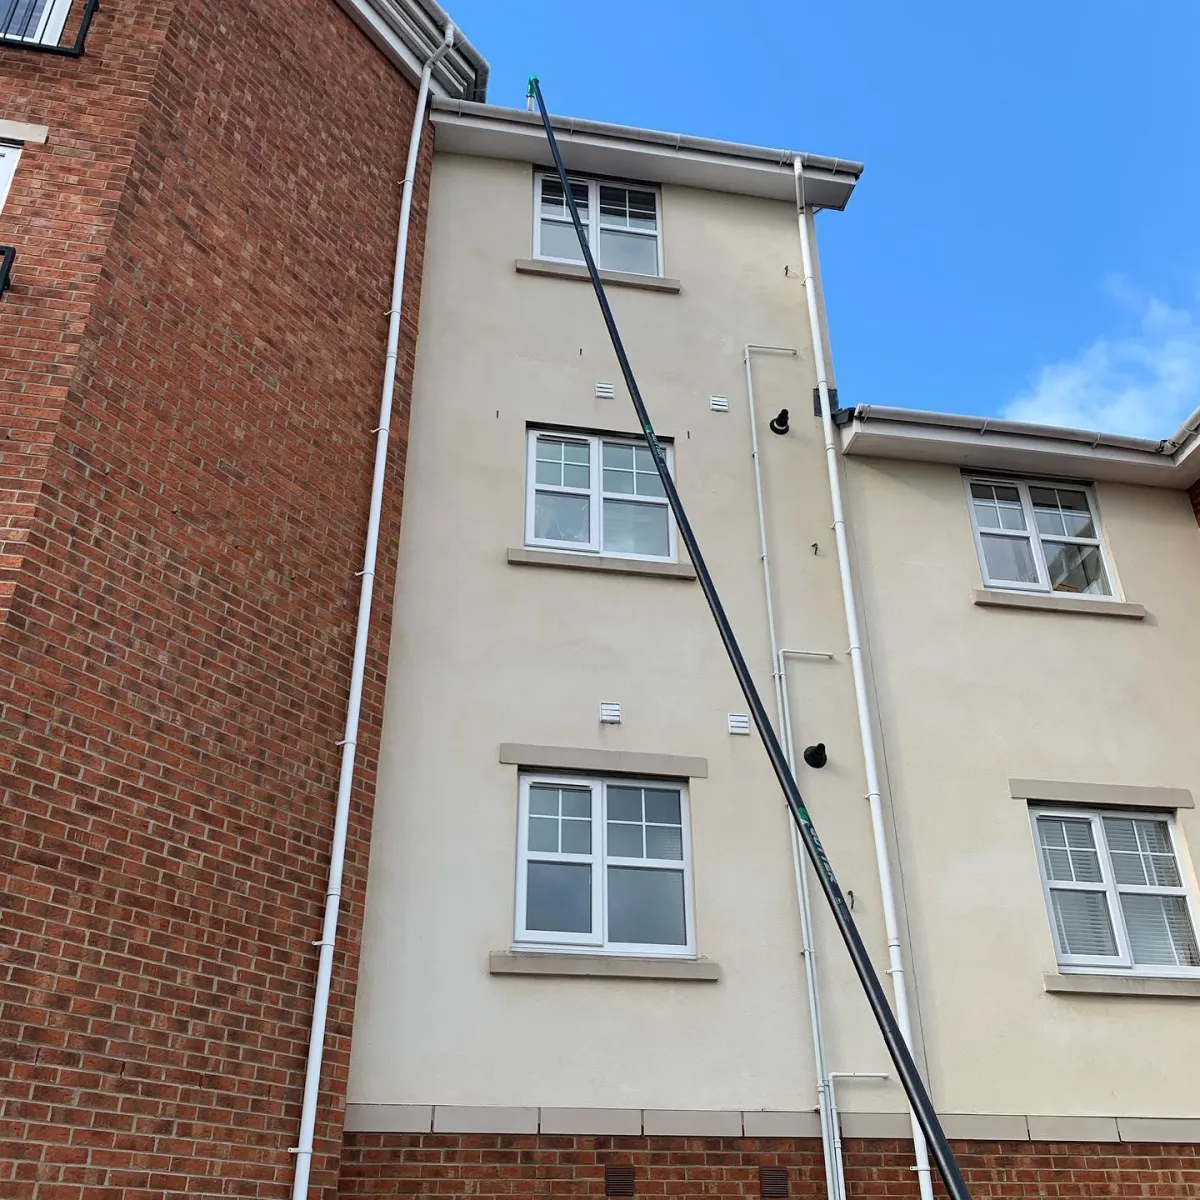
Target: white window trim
<point x="595" y="544"/>
<point x="1122" y="964"/>
<point x="1031" y="532"/>
<point x="9" y="157"/>
<point x="50" y="25"/>
<point x="594" y="223"/>
<point x="597" y="941"/>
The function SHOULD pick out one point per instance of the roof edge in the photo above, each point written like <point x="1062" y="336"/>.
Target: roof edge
<point x="409" y="31"/>
<point x="988" y="443"/>
<point x="490" y="131"/>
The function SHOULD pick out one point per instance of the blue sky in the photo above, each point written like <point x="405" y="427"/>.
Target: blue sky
<point x="1026" y="238"/>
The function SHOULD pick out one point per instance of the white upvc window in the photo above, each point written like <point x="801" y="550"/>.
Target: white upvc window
<point x="1115" y="891"/>
<point x="597" y="495"/>
<point x="1038" y="537"/>
<point x="621" y="221"/>
<point x="9" y="157"/>
<point x="38" y="21"/>
<point x="604" y="865"/>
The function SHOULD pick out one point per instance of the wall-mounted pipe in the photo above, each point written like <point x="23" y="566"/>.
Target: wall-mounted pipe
<point x="861" y="696"/>
<point x="337" y="855"/>
<point x="835" y="1182"/>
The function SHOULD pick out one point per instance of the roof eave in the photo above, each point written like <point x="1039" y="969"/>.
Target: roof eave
<point x="624" y="151"/>
<point x="985" y="444"/>
<point x="408" y="32"/>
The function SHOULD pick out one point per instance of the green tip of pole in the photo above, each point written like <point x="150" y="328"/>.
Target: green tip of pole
<point x="532" y="80"/>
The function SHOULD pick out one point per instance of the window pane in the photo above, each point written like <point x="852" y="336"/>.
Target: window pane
<point x="558" y="897"/>
<point x="624" y="841"/>
<point x="576" y="837"/>
<point x="543" y="801"/>
<point x="24" y="20"/>
<point x="543" y="834"/>
<point x="1141" y="852"/>
<point x="662" y="806"/>
<point x="1076" y="568"/>
<point x="554" y="203"/>
<point x="624" y="804"/>
<point x="559" y="241"/>
<point x="631" y="528"/>
<point x="1083" y="923"/>
<point x="1069" y="850"/>
<point x="1008" y="558"/>
<point x="634" y="252"/>
<point x="576" y="802"/>
<point x="646" y="906"/>
<point x="664" y="841"/>
<point x="618" y="481"/>
<point x="1062" y="511"/>
<point x="560" y="462"/>
<point x="1160" y="931"/>
<point x="577" y="452"/>
<point x="562" y="518"/>
<point x="575" y="475"/>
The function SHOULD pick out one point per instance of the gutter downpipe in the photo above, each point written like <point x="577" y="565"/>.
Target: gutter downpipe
<point x="337" y="857"/>
<point x="835" y="1185"/>
<point x="861" y="700"/>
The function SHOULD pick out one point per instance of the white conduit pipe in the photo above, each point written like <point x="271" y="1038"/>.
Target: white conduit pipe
<point x="862" y="703"/>
<point x="337" y="856"/>
<point x="835" y="1185"/>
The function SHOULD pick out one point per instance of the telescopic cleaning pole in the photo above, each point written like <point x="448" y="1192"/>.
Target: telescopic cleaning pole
<point x="906" y="1067"/>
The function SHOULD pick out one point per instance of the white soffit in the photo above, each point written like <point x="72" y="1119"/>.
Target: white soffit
<point x="623" y="152"/>
<point x="979" y="444"/>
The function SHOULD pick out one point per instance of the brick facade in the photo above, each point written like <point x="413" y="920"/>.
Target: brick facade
<point x="1194" y="497"/>
<point x="486" y="1166"/>
<point x="190" y="362"/>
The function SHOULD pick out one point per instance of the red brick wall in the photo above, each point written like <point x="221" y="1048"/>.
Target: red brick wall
<point x="1194" y="496"/>
<point x="59" y="215"/>
<point x="195" y="346"/>
<point x="487" y="1166"/>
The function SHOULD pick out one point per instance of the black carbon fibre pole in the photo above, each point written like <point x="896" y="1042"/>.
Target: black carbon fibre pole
<point x="906" y="1067"/>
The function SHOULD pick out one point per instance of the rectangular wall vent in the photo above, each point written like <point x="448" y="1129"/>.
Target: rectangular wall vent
<point x="604" y="391"/>
<point x="618" y="1180"/>
<point x="739" y="723"/>
<point x="610" y="712"/>
<point x="772" y="1181"/>
<point x="718" y="403"/>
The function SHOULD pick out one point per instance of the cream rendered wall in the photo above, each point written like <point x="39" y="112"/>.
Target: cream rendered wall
<point x="972" y="696"/>
<point x="485" y="653"/>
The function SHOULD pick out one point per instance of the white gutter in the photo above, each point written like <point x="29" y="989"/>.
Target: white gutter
<point x="835" y="1181"/>
<point x="1182" y="435"/>
<point x="861" y="698"/>
<point x="337" y="857"/>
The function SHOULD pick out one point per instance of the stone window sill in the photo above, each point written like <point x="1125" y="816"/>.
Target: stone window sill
<point x="559" y="270"/>
<point x="604" y="966"/>
<point x="1046" y="602"/>
<point x="1121" y="985"/>
<point x="523" y="557"/>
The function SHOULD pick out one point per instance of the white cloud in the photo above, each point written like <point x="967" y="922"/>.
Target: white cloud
<point x="1144" y="383"/>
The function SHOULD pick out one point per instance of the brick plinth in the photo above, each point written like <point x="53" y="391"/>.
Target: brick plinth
<point x="488" y="1167"/>
<point x="190" y="363"/>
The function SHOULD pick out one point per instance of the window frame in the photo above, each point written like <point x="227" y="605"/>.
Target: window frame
<point x="1034" y="536"/>
<point x="594" y="223"/>
<point x="597" y="941"/>
<point x="1122" y="963"/>
<point x="49" y="27"/>
<point x="10" y="157"/>
<point x="596" y="492"/>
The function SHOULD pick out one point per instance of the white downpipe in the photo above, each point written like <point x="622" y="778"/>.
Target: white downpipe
<point x="862" y="702"/>
<point x="833" y="1076"/>
<point x="835" y="1184"/>
<point x="337" y="856"/>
